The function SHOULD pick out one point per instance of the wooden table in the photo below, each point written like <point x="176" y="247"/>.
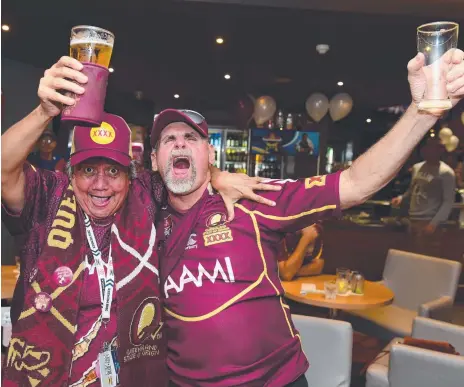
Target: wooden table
<point x="9" y="278"/>
<point x="375" y="294"/>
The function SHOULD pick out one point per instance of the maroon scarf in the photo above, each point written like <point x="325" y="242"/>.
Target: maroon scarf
<point x="40" y="351"/>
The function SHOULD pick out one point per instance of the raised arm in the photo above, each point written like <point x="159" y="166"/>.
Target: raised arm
<point x="18" y="141"/>
<point x="374" y="169"/>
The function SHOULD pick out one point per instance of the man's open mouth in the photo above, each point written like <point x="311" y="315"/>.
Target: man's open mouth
<point x="100" y="201"/>
<point x="181" y="162"/>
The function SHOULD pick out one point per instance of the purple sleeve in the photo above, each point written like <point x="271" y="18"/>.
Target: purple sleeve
<point x="299" y="204"/>
<point x="41" y="186"/>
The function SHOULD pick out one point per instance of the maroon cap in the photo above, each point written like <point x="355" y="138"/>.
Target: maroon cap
<point x="168" y="116"/>
<point x="111" y="140"/>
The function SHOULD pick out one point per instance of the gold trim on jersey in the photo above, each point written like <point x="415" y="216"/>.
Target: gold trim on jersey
<point x="291" y="217"/>
<point x="264" y="273"/>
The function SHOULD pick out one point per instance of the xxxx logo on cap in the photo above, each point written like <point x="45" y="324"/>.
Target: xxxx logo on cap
<point x="103" y="135"/>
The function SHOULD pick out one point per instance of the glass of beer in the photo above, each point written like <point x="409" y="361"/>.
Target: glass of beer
<point x="434" y="40"/>
<point x="91" y="45"/>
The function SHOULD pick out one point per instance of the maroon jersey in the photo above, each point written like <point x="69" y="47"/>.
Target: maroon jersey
<point x="228" y="322"/>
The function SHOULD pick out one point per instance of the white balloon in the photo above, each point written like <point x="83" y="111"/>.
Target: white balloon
<point x="445" y="134"/>
<point x="340" y="106"/>
<point x="452" y="143"/>
<point x="265" y="108"/>
<point x="317" y="106"/>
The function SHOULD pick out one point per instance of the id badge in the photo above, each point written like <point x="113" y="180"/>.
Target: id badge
<point x="108" y="377"/>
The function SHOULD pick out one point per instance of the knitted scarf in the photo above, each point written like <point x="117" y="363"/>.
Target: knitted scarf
<point x="40" y="350"/>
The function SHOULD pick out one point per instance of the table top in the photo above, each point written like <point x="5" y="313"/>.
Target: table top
<point x="375" y="294"/>
<point x="9" y="278"/>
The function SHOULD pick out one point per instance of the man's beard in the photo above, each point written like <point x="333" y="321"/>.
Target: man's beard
<point x="180" y="186"/>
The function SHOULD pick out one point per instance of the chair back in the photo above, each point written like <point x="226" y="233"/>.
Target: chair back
<point x="328" y="345"/>
<point x="416" y="279"/>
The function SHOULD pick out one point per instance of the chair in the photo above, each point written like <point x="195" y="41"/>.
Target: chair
<point x="423" y="286"/>
<point x="414" y="367"/>
<point x="328" y="346"/>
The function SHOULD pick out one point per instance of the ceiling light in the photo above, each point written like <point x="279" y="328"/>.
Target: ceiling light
<point x="111" y="70"/>
<point x="340" y="83"/>
<point x="368" y="120"/>
<point x="219" y="40"/>
<point x="322" y="48"/>
<point x="5" y="27"/>
<point x="432" y="134"/>
<point x="227" y="76"/>
<point x="176" y="96"/>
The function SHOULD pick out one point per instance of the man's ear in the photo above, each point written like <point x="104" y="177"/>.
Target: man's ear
<point x="154" y="162"/>
<point x="211" y="155"/>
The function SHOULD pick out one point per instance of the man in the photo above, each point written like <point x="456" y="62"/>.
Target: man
<point x="88" y="294"/>
<point x="301" y="253"/>
<point x="44" y="157"/>
<point x="430" y="197"/>
<point x="227" y="322"/>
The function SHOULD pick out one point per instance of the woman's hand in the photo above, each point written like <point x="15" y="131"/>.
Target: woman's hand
<point x="235" y="186"/>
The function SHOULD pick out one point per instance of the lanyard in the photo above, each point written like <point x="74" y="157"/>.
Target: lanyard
<point x="106" y="281"/>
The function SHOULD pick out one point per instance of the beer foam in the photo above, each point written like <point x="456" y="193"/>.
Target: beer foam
<point x="444" y="104"/>
<point x="88" y="40"/>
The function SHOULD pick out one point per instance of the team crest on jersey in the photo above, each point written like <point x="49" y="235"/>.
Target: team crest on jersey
<point x="216" y="230"/>
<point x="167" y="225"/>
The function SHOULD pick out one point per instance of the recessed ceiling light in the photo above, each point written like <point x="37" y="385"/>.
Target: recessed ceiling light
<point x="340" y="83"/>
<point x="368" y="120"/>
<point x="219" y="40"/>
<point x="5" y="27"/>
<point x="111" y="70"/>
<point x="432" y="134"/>
<point x="176" y="96"/>
<point x="227" y="76"/>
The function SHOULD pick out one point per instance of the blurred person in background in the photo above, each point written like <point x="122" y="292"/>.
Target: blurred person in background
<point x="429" y="198"/>
<point x="302" y="253"/>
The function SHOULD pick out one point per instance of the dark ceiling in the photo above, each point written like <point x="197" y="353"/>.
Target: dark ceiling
<point x="167" y="47"/>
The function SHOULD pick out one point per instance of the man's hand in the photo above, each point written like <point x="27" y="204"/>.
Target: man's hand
<point x="310" y="233"/>
<point x="396" y="202"/>
<point x="60" y="77"/>
<point x="429" y="229"/>
<point x="453" y="60"/>
<point x="235" y="186"/>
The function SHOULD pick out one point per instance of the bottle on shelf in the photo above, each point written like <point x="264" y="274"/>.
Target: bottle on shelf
<point x="289" y="122"/>
<point x="280" y="119"/>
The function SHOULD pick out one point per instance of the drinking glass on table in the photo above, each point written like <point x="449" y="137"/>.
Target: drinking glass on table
<point x="434" y="40"/>
<point x="343" y="280"/>
<point x="330" y="290"/>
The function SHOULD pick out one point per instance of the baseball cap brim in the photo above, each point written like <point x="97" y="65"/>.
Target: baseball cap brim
<point x="111" y="154"/>
<point x="169" y="116"/>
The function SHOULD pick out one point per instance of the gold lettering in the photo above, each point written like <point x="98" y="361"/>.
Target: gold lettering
<point x="63" y="223"/>
<point x="70" y="203"/>
<point x="59" y="238"/>
<point x="17" y="357"/>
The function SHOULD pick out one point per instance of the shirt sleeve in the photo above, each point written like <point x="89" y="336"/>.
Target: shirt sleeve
<point x="299" y="203"/>
<point x="41" y="186"/>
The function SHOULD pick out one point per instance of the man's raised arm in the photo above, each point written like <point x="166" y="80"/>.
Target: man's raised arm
<point x="18" y="141"/>
<point x="374" y="169"/>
